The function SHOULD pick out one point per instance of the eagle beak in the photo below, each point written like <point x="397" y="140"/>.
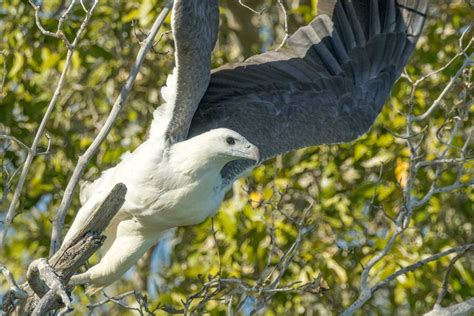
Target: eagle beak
<point x="253" y="153"/>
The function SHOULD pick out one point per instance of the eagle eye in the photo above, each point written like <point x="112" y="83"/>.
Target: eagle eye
<point x="230" y="140"/>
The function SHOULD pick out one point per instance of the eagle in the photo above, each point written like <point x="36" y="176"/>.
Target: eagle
<point x="326" y="86"/>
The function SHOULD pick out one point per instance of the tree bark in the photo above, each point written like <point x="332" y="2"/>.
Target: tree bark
<point x="47" y="279"/>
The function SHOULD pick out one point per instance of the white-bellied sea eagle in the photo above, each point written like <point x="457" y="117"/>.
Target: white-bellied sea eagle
<point x="327" y="86"/>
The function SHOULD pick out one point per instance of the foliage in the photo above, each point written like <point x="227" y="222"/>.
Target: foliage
<point x="351" y="191"/>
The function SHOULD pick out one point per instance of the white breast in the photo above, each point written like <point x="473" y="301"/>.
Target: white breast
<point x="161" y="195"/>
<point x="188" y="205"/>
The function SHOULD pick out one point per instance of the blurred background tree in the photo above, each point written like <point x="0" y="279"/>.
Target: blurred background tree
<point x="297" y="235"/>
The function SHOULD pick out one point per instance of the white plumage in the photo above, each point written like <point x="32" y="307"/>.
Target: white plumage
<point x="167" y="186"/>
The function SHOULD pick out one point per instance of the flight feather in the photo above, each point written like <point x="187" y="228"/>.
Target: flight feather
<point x="327" y="86"/>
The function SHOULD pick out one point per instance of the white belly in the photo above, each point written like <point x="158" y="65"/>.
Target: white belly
<point x="170" y="199"/>
<point x="187" y="205"/>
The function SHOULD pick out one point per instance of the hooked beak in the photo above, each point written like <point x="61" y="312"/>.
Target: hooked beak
<point x="252" y="153"/>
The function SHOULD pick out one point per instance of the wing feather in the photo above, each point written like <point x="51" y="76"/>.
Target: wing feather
<point x="328" y="86"/>
<point x="195" y="26"/>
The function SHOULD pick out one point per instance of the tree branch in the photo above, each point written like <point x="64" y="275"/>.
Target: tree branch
<point x="464" y="308"/>
<point x="47" y="279"/>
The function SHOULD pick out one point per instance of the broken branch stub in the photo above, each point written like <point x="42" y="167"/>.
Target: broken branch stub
<point x="73" y="254"/>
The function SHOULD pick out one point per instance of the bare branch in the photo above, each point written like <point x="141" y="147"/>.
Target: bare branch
<point x="4" y="72"/>
<point x="461" y="249"/>
<point x="467" y="63"/>
<point x="16" y="140"/>
<point x="285" y="16"/>
<point x="15" y="290"/>
<point x="59" y="32"/>
<point x="47" y="279"/>
<point x="53" y="282"/>
<point x="253" y="10"/>
<point x="214" y="237"/>
<point x="464" y="308"/>
<point x="444" y="287"/>
<point x="116" y="299"/>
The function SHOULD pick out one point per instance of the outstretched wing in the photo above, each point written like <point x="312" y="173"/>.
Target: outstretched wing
<point x="327" y="87"/>
<point x="195" y="25"/>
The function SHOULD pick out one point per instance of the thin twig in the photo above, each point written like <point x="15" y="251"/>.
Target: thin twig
<point x="4" y="72"/>
<point x="285" y="16"/>
<point x="253" y="10"/>
<point x="16" y="140"/>
<point x="467" y="62"/>
<point x="412" y="267"/>
<point x="214" y="232"/>
<point x="444" y="287"/>
<point x="19" y="293"/>
<point x="117" y="300"/>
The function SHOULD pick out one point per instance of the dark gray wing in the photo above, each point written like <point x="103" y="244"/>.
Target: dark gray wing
<point x="327" y="87"/>
<point x="195" y="25"/>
